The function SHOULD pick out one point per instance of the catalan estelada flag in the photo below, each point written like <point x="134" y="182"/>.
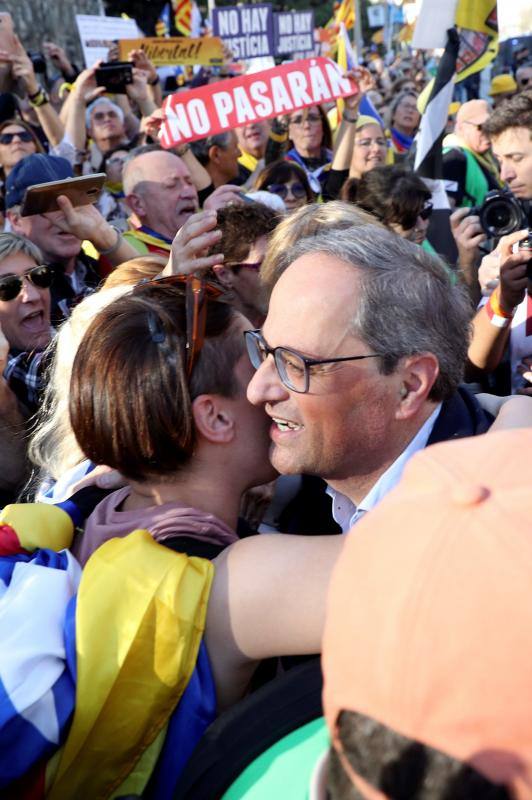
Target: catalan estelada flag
<point x="183" y="16"/>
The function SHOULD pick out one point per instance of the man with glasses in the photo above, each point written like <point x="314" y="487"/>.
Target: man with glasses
<point x="359" y="362"/>
<point x="469" y="169"/>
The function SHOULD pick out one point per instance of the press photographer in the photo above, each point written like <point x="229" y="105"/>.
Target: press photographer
<point x="504" y="323"/>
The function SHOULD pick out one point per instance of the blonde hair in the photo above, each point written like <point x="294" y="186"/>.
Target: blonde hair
<point x="307" y="221"/>
<point x="53" y="447"/>
<point x="131" y="272"/>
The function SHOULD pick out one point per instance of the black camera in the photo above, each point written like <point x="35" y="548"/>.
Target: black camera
<point x="38" y="61"/>
<point x="501" y="213"/>
<point x="115" y="76"/>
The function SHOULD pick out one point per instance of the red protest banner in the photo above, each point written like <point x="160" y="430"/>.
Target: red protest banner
<point x="239" y="101"/>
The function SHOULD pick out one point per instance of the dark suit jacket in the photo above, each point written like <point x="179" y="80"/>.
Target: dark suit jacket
<point x="309" y="512"/>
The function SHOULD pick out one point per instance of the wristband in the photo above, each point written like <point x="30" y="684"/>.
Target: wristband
<point x="154" y="81"/>
<point x="497" y="317"/>
<point x="39" y="99"/>
<point x="495" y="306"/>
<point x="349" y="119"/>
<point x="115" y="246"/>
<point x="35" y="94"/>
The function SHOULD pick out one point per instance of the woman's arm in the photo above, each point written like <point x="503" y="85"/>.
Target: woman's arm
<point x="268" y="599"/>
<point x="514" y="411"/>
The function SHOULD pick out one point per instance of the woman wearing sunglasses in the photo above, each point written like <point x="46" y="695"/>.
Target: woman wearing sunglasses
<point x="288" y="181"/>
<point x="397" y="197"/>
<point x="24" y="295"/>
<point x="17" y="140"/>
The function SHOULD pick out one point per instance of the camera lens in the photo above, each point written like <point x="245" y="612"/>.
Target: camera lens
<point x="500" y="217"/>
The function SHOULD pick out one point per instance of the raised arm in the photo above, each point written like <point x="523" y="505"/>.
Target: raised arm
<point x="268" y="599"/>
<point x="84" y="88"/>
<point x="22" y="69"/>
<point x="491" y="325"/>
<point x="345" y="135"/>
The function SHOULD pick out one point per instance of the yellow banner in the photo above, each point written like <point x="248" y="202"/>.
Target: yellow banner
<point x="178" y="50"/>
<point x="477" y="15"/>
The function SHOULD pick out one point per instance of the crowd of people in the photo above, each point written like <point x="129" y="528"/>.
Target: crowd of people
<point x="212" y="381"/>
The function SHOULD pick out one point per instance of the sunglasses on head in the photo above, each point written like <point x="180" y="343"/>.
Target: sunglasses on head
<point x="11" y="286"/>
<point x="197" y="292"/>
<point x="24" y="136"/>
<point x="281" y="190"/>
<point x="410" y="221"/>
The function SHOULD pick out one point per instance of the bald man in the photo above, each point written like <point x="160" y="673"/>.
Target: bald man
<point x="160" y="191"/>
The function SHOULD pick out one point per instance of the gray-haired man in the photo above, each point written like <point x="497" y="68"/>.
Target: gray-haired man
<point x="359" y="362"/>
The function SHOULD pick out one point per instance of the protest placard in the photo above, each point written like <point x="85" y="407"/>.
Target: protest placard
<point x="246" y="30"/>
<point x="208" y="51"/>
<point x="240" y="101"/>
<point x="293" y="33"/>
<point x="434" y="18"/>
<point x="97" y="34"/>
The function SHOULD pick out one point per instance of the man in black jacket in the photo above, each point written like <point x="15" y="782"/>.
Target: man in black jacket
<point x="359" y="363"/>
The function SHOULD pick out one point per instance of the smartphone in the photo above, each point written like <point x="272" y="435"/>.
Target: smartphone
<point x="42" y="197"/>
<point x="115" y="76"/>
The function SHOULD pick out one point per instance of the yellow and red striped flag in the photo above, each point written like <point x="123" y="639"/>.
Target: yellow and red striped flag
<point x="183" y="16"/>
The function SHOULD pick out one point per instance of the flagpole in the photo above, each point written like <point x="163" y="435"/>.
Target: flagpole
<point x="211" y="4"/>
<point x="357" y="30"/>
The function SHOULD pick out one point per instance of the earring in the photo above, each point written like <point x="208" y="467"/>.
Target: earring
<point x="404" y="392"/>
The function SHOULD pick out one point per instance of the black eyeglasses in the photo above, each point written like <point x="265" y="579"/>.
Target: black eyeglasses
<point x="24" y="136"/>
<point x="292" y="367"/>
<point x="11" y="286"/>
<point x="281" y="190"/>
<point x="477" y="125"/>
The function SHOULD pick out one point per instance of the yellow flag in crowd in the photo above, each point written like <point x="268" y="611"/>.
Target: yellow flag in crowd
<point x="477" y="22"/>
<point x="477" y="15"/>
<point x="345" y="13"/>
<point x="183" y="16"/>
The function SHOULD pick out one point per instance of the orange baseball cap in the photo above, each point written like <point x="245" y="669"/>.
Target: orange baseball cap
<point x="429" y="618"/>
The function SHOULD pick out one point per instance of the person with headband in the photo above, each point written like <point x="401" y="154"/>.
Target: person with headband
<point x="361" y="148"/>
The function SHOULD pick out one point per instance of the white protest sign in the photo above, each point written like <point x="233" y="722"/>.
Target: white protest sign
<point x="434" y="19"/>
<point x="97" y="34"/>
